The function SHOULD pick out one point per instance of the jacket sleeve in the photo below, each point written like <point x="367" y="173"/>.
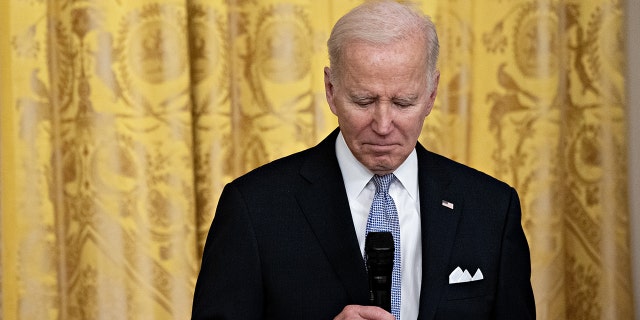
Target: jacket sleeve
<point x="229" y="285"/>
<point x="514" y="298"/>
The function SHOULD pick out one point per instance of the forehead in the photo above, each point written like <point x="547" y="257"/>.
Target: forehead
<point x="398" y="68"/>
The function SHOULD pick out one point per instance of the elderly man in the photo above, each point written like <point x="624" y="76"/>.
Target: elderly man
<point x="288" y="239"/>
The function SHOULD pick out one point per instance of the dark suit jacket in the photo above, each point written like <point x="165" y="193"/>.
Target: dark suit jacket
<point x="282" y="244"/>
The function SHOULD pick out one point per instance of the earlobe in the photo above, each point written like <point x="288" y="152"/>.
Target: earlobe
<point x="328" y="89"/>
<point x="328" y="86"/>
<point x="436" y="80"/>
<point x="434" y="91"/>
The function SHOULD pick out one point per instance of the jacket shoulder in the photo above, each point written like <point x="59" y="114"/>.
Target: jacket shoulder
<point x="460" y="174"/>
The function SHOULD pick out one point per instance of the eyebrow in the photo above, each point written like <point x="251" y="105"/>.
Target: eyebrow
<point x="362" y="97"/>
<point x="412" y="98"/>
<point x="365" y="96"/>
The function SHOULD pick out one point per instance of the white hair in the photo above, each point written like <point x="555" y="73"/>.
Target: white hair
<point x="383" y="22"/>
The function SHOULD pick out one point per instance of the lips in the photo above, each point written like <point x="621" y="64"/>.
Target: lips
<point x="381" y="148"/>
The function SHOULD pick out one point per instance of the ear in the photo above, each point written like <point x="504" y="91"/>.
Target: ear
<point x="434" y="91"/>
<point x="329" y="89"/>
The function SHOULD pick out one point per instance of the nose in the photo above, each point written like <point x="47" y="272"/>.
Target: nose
<point x="382" y="123"/>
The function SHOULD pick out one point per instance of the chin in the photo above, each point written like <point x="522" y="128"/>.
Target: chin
<point x="381" y="168"/>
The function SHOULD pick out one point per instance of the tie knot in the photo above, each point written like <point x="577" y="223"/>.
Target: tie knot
<point x="383" y="182"/>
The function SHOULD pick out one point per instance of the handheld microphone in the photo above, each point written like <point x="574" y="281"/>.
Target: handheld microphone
<point x="379" y="250"/>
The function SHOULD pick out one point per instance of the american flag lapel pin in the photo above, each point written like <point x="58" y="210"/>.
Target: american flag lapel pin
<point x="447" y="204"/>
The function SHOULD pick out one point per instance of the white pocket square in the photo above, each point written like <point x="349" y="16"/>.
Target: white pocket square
<point x="460" y="276"/>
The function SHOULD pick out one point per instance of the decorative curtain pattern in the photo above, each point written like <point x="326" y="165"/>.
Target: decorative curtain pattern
<point x="533" y="93"/>
<point x="122" y="120"/>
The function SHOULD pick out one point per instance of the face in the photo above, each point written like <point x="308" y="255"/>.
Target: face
<point x="381" y="97"/>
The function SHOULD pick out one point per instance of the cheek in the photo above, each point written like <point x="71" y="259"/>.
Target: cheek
<point x="360" y="127"/>
<point x="411" y="126"/>
<point x="352" y="118"/>
<point x="418" y="127"/>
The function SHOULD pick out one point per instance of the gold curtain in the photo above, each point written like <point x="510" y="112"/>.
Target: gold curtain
<point x="122" y="120"/>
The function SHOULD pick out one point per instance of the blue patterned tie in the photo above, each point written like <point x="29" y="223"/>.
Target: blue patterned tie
<point x="383" y="216"/>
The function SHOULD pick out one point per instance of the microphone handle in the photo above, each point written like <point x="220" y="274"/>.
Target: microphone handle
<point x="379" y="249"/>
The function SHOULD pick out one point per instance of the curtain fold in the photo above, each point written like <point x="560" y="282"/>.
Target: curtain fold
<point x="122" y="121"/>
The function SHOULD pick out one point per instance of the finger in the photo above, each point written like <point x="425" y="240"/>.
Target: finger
<point x="356" y="312"/>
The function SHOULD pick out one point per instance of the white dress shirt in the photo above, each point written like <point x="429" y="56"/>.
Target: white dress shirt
<point x="405" y="194"/>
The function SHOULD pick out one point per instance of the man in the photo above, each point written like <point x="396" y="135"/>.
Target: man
<point x="287" y="240"/>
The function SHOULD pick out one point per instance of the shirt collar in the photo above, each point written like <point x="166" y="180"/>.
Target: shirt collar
<point x="356" y="175"/>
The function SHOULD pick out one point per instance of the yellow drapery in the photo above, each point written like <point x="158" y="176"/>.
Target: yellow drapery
<point x="121" y="121"/>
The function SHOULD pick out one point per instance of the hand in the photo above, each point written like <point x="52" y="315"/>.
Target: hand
<point x="355" y="312"/>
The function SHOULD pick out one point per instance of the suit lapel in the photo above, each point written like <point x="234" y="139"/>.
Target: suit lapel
<point x="326" y="208"/>
<point x="439" y="223"/>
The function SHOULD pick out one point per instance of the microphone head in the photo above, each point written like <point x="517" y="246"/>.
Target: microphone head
<point x="379" y="241"/>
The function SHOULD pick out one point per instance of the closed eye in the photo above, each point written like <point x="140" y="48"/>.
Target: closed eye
<point x="405" y="102"/>
<point x="363" y="102"/>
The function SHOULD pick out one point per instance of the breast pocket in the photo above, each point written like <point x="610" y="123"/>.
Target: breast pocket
<point x="467" y="300"/>
<point x="466" y="290"/>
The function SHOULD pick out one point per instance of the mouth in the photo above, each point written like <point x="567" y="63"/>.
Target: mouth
<point x="381" y="147"/>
